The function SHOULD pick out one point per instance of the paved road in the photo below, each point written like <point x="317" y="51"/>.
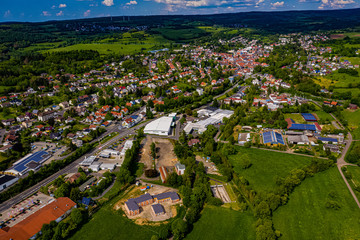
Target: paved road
<point x="73" y="166"/>
<point x="341" y="160"/>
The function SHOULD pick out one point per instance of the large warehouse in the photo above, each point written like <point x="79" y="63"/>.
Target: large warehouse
<point x="215" y="117"/>
<point x="29" y="162"/>
<point x="161" y="126"/>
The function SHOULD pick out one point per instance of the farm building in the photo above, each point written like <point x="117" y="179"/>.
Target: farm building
<point x="309" y="117"/>
<point x="273" y="138"/>
<point x="298" y="139"/>
<point x="302" y="127"/>
<point x="29" y="162"/>
<point x="328" y="140"/>
<point x="158" y="209"/>
<point x="161" y="126"/>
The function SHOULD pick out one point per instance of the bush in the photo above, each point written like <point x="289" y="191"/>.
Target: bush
<point x="151" y="173"/>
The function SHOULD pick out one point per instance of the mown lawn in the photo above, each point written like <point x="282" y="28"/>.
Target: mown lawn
<point x="266" y="165"/>
<point x="353" y="119"/>
<point x="306" y="217"/>
<point x="223" y="223"/>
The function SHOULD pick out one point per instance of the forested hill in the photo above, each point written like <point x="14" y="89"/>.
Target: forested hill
<point x="279" y="22"/>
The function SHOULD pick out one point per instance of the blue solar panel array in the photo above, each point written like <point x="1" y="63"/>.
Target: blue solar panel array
<point x="309" y="117"/>
<point x="326" y="139"/>
<point x="37" y="157"/>
<point x="279" y="138"/>
<point x="297" y="126"/>
<point x="273" y="138"/>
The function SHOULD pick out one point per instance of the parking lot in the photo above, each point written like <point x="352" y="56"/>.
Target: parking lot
<point x="51" y="148"/>
<point x="24" y="209"/>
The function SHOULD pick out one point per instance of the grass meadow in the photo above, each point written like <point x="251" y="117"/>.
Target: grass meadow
<point x="223" y="223"/>
<point x="353" y="118"/>
<point x="306" y="217"/>
<point x="266" y="165"/>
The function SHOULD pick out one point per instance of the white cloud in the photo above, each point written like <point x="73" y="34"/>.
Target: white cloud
<point x="46" y="14"/>
<point x="61" y="13"/>
<point x="62" y="5"/>
<point x="7" y="14"/>
<point x="87" y="13"/>
<point x="335" y="3"/>
<point x="133" y="2"/>
<point x="53" y="7"/>
<point x="277" y="4"/>
<point x="108" y="3"/>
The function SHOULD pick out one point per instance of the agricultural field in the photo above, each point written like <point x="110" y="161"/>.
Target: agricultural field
<point x="295" y="116"/>
<point x="266" y="165"/>
<point x="323" y="116"/>
<point x="127" y="45"/>
<point x="353" y="119"/>
<point x="223" y="223"/>
<point x="355" y="179"/>
<point x="178" y="34"/>
<point x="306" y="216"/>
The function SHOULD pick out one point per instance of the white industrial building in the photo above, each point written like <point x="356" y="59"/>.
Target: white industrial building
<point x="127" y="145"/>
<point x="108" y="153"/>
<point x="215" y="117"/>
<point x="7" y="181"/>
<point x="88" y="161"/>
<point x="161" y="126"/>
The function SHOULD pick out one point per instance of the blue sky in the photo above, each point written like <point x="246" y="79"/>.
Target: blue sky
<point x="44" y="10"/>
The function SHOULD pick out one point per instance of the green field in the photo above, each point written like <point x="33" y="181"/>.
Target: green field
<point x="177" y="34"/>
<point x="353" y="60"/>
<point x="123" y="46"/>
<point x="109" y="224"/>
<point x="353" y="118"/>
<point x="323" y="116"/>
<point x="306" y="217"/>
<point x="222" y="223"/>
<point x="355" y="179"/>
<point x="266" y="165"/>
<point x="295" y="116"/>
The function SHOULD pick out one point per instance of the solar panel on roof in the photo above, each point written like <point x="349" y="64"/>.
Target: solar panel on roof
<point x="308" y="117"/>
<point x="297" y="126"/>
<point x="37" y="157"/>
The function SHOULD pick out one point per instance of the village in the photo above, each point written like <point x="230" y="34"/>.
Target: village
<point x="112" y="116"/>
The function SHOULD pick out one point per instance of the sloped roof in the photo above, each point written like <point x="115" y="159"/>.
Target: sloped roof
<point x="33" y="224"/>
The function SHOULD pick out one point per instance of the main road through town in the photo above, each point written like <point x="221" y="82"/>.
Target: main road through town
<point x="72" y="167"/>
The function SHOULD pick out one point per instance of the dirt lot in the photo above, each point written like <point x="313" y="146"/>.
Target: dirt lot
<point x="220" y="192"/>
<point x="165" y="154"/>
<point x="209" y="166"/>
<point x="146" y="215"/>
<point x="337" y="36"/>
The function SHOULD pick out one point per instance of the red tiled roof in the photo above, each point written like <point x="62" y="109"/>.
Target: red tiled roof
<point x="33" y="224"/>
